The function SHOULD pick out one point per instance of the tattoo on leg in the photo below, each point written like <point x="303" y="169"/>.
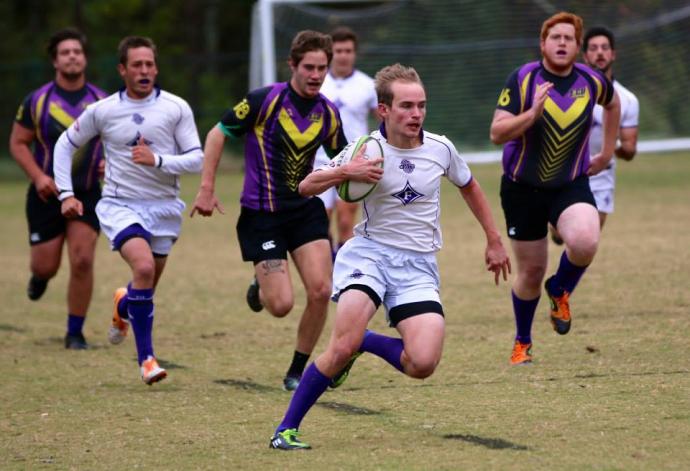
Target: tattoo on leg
<point x="272" y="266"/>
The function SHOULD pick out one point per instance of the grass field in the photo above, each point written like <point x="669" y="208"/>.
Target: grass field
<point x="614" y="394"/>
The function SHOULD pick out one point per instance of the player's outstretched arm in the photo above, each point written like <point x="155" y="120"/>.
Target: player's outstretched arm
<point x="495" y="256"/>
<point x="206" y="201"/>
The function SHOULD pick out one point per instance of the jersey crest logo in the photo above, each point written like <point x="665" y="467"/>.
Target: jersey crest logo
<point x="578" y="93"/>
<point x="315" y="117"/>
<point x="137" y="118"/>
<point x="356" y="274"/>
<point x="135" y="141"/>
<point x="406" y="166"/>
<point x="241" y="109"/>
<point x="408" y="194"/>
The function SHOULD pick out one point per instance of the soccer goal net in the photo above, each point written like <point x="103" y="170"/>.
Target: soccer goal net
<point x="465" y="50"/>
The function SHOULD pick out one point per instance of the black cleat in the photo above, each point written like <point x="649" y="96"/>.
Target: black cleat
<point x="290" y="382"/>
<point x="287" y="440"/>
<point x="36" y="288"/>
<point x="76" y="342"/>
<point x="253" y="300"/>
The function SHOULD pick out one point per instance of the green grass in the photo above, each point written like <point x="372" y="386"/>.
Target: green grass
<point x="611" y="395"/>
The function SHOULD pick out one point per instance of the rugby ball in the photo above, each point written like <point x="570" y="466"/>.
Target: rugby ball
<point x="352" y="191"/>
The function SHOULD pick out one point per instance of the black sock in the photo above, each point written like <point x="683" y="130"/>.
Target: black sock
<point x="299" y="361"/>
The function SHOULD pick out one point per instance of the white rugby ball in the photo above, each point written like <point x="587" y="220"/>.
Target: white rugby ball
<point x="352" y="191"/>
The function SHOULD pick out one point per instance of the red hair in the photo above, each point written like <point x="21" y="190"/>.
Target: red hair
<point x="563" y="17"/>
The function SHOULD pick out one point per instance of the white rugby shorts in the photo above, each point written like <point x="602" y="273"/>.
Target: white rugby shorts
<point x="397" y="276"/>
<point x="604" y="200"/>
<point x="162" y="218"/>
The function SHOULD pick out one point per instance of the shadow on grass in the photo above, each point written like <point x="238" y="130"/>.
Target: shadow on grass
<point x="11" y="328"/>
<point x="246" y="385"/>
<point x="347" y="408"/>
<point x="492" y="443"/>
<point x="169" y="365"/>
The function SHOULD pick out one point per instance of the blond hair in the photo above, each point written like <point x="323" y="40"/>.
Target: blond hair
<point x="385" y="77"/>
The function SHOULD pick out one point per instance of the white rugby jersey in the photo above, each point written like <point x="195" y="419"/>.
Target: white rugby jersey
<point x="630" y="113"/>
<point x="355" y="97"/>
<point x="166" y="123"/>
<point x="404" y="210"/>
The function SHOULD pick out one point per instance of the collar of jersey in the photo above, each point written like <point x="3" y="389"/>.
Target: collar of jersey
<point x="123" y="95"/>
<point x="382" y="130"/>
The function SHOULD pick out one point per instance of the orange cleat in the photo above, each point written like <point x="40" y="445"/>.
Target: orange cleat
<point x="522" y="353"/>
<point x="151" y="372"/>
<point x="119" y="327"/>
<point x="560" y="310"/>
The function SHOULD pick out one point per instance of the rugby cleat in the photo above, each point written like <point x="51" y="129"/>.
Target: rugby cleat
<point x="287" y="440"/>
<point x="118" y="328"/>
<point x="342" y="375"/>
<point x="151" y="372"/>
<point x="560" y="310"/>
<point x="290" y="382"/>
<point x="76" y="342"/>
<point x="36" y="288"/>
<point x="522" y="354"/>
<point x="253" y="300"/>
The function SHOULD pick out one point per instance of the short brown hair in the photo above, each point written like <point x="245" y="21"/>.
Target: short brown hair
<point x="133" y="42"/>
<point x="62" y="35"/>
<point x="385" y="77"/>
<point x="308" y="41"/>
<point x="563" y="17"/>
<point x="342" y="34"/>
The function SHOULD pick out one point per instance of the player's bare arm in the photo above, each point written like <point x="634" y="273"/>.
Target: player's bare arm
<point x="628" y="143"/>
<point x="612" y="117"/>
<point x="20" y="142"/>
<point x="506" y="126"/>
<point x="496" y="257"/>
<point x="358" y="169"/>
<point x="206" y="201"/>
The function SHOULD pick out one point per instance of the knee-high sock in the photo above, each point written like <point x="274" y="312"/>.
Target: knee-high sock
<point x="388" y="348"/>
<point x="140" y="310"/>
<point x="311" y="387"/>
<point x="122" y="304"/>
<point x="567" y="276"/>
<point x="524" y="315"/>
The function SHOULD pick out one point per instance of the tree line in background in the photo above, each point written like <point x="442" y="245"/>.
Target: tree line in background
<point x="203" y="48"/>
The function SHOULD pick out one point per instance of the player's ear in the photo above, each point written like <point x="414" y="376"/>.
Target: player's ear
<point x="121" y="70"/>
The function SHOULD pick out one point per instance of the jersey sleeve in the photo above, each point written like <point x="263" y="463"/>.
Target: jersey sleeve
<point x="458" y="172"/>
<point x="606" y="95"/>
<point x="632" y="113"/>
<point x="23" y="116"/>
<point x="509" y="99"/>
<point x="80" y="132"/>
<point x="239" y="119"/>
<point x="190" y="158"/>
<point x="335" y="141"/>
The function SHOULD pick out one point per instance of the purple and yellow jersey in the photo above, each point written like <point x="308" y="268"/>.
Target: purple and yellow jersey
<point x="48" y="111"/>
<point x="555" y="150"/>
<point x="283" y="133"/>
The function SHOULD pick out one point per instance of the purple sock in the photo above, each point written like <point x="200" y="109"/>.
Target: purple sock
<point x="567" y="276"/>
<point x="388" y="348"/>
<point x="524" y="315"/>
<point x="140" y="309"/>
<point x="311" y="387"/>
<point x="75" y="324"/>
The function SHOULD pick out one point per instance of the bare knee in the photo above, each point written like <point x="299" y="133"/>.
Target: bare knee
<point x="582" y="251"/>
<point x="81" y="264"/>
<point x="532" y="275"/>
<point x="319" y="294"/>
<point x="279" y="306"/>
<point x="341" y="352"/>
<point x="144" y="271"/>
<point x="421" y="368"/>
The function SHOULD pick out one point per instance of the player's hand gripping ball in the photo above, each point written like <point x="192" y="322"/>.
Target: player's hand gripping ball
<point x="350" y="190"/>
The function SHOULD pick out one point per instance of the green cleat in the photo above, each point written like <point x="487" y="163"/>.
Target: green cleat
<point x="287" y="440"/>
<point x="342" y="375"/>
